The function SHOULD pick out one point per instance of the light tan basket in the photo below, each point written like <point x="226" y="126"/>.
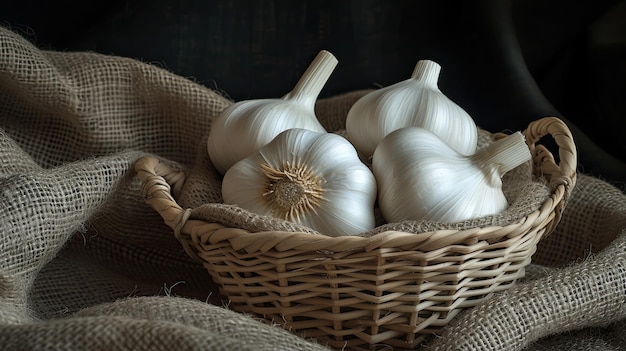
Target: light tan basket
<point x="393" y="288"/>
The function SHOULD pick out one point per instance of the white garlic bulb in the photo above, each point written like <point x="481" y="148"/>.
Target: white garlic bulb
<point x="421" y="178"/>
<point x="244" y="127"/>
<point x="311" y="178"/>
<point x="415" y="102"/>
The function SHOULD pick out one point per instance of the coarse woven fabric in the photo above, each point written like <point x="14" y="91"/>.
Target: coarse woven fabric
<point x="86" y="264"/>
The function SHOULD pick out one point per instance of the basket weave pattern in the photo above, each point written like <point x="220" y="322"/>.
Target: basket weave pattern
<point x="351" y="292"/>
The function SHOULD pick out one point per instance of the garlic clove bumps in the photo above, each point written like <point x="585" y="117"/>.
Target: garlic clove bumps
<point x="415" y="102"/>
<point x="311" y="178"/>
<point x="420" y="177"/>
<point x="245" y="126"/>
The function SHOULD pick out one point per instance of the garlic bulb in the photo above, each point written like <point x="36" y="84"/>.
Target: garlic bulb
<point x="311" y="178"/>
<point x="415" y="102"/>
<point x="421" y="178"/>
<point x="244" y="127"/>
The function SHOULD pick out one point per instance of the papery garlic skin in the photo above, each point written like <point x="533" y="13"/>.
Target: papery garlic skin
<point x="415" y="102"/>
<point x="245" y="126"/>
<point x="420" y="177"/>
<point x="343" y="191"/>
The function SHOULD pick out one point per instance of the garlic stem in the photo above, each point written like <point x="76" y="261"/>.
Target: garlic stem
<point x="503" y="155"/>
<point x="313" y="79"/>
<point x="427" y="71"/>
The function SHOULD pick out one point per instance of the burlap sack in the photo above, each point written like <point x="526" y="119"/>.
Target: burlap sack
<point x="86" y="264"/>
<point x="75" y="230"/>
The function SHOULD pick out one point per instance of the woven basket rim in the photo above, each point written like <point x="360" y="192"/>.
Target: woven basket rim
<point x="160" y="181"/>
<point x="282" y="241"/>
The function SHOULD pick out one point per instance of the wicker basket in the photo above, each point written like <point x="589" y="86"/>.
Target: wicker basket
<point x="393" y="288"/>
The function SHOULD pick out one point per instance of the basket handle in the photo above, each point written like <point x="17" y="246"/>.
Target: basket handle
<point x="158" y="182"/>
<point x="562" y="177"/>
<point x="565" y="172"/>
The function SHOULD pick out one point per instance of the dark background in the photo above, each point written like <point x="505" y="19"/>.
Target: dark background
<point x="506" y="62"/>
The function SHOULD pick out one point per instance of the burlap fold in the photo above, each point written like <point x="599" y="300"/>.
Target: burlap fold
<point x="86" y="264"/>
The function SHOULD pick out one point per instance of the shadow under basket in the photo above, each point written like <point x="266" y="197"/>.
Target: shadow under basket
<point x="393" y="288"/>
